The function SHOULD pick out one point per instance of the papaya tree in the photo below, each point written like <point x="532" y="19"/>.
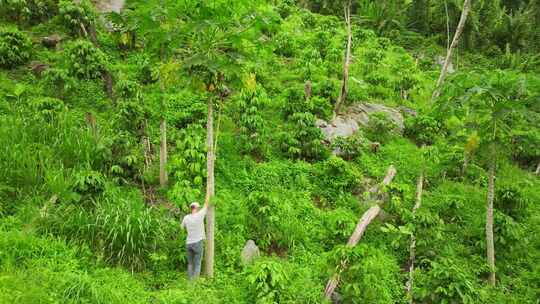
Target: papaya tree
<point x="494" y="106"/>
<point x="214" y="35"/>
<point x="159" y="22"/>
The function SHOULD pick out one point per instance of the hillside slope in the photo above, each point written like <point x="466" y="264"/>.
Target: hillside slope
<point x="84" y="219"/>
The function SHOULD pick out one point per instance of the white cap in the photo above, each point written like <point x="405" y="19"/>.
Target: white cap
<point x="194" y="205"/>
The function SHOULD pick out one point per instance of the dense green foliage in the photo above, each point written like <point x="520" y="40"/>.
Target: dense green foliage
<point x="15" y="47"/>
<point x="83" y="218"/>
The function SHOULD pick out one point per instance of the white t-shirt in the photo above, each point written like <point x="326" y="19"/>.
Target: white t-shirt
<point x="194" y="224"/>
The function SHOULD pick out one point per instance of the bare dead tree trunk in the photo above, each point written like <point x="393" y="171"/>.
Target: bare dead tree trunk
<point x="108" y="84"/>
<point x="163" y="178"/>
<point x="359" y="230"/>
<point x="490" y="244"/>
<point x="455" y="40"/>
<point x="412" y="247"/>
<point x="210" y="216"/>
<point x="307" y="90"/>
<point x="347" y="61"/>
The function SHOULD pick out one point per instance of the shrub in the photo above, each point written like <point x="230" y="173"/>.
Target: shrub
<point x="334" y="178"/>
<point x="88" y="184"/>
<point x="127" y="89"/>
<point x="273" y="222"/>
<point x="47" y="108"/>
<point x="15" y="47"/>
<point x="303" y="139"/>
<point x="372" y="274"/>
<point x="77" y="17"/>
<point x="189" y="161"/>
<point x="423" y="129"/>
<point x="185" y="108"/>
<point x="350" y="147"/>
<point x="131" y="115"/>
<point x="250" y="121"/>
<point x="32" y="11"/>
<point x="380" y="127"/>
<point x="284" y="45"/>
<point x="60" y="80"/>
<point x="85" y="61"/>
<point x="511" y="200"/>
<point x="267" y="279"/>
<point x="448" y="280"/>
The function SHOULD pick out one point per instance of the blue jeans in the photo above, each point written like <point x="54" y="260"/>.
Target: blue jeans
<point x="194" y="258"/>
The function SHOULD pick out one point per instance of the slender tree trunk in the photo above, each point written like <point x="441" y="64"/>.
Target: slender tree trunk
<point x="210" y="216"/>
<point x="455" y="40"/>
<point x="359" y="230"/>
<point x="307" y="90"/>
<point x="412" y="247"/>
<point x="345" y="82"/>
<point x="537" y="172"/>
<point x="147" y="146"/>
<point x="490" y="244"/>
<point x="465" y="163"/>
<point x="447" y="26"/>
<point x="163" y="178"/>
<point x="108" y="84"/>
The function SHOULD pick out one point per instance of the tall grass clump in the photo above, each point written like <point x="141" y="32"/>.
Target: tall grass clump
<point x="118" y="226"/>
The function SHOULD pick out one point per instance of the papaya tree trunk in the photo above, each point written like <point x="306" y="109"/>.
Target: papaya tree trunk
<point x="412" y="246"/>
<point x="455" y="40"/>
<point x="358" y="232"/>
<point x="210" y="216"/>
<point x="347" y="61"/>
<point x="490" y="244"/>
<point x="163" y="178"/>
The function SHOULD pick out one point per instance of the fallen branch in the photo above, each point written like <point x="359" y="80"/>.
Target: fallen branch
<point x="361" y="227"/>
<point x="390" y="174"/>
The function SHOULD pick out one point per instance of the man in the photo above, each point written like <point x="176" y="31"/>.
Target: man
<point x="194" y="224"/>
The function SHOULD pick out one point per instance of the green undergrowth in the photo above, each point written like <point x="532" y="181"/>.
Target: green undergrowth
<point x="83" y="218"/>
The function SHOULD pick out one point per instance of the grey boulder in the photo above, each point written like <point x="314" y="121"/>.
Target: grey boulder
<point x="249" y="253"/>
<point x="355" y="117"/>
